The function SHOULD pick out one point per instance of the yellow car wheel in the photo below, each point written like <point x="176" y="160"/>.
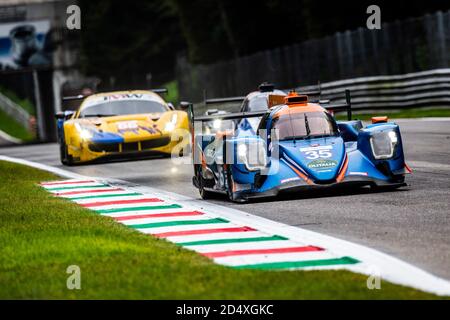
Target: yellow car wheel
<point x="66" y="158"/>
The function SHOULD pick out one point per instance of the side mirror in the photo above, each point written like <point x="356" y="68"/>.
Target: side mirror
<point x="64" y="115"/>
<point x="184" y="105"/>
<point x="170" y="105"/>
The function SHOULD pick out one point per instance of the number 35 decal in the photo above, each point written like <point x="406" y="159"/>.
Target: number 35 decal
<point x="316" y="154"/>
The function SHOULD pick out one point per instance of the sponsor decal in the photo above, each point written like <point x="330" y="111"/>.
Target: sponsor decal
<point x="315" y="148"/>
<point x="356" y="173"/>
<point x="322" y="163"/>
<point x="132" y="126"/>
<point x="122" y="96"/>
<point x="91" y="101"/>
<point x="127" y="125"/>
<point x="290" y="179"/>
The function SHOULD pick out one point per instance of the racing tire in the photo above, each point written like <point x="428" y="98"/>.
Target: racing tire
<point x="205" y="194"/>
<point x="66" y="158"/>
<point x="230" y="194"/>
<point x="229" y="184"/>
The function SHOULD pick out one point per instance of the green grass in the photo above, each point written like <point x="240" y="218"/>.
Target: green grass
<point x="407" y="113"/>
<point x="24" y="103"/>
<point x="13" y="128"/>
<point x="41" y="236"/>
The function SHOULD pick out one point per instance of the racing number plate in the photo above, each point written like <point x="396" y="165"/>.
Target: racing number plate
<point x="313" y="153"/>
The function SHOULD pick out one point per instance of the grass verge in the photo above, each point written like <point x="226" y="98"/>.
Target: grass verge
<point x="24" y="103"/>
<point x="407" y="113"/>
<point x="13" y="128"/>
<point x="41" y="236"/>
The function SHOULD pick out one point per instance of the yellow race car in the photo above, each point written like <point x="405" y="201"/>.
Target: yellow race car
<point x="121" y="124"/>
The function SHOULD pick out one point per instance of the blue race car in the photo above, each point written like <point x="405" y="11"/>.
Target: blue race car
<point x="298" y="145"/>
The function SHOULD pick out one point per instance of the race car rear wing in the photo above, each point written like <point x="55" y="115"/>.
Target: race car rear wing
<point x="224" y="100"/>
<point x="160" y="90"/>
<point x="81" y="96"/>
<point x="72" y="98"/>
<point x="231" y="116"/>
<point x="347" y="106"/>
<point x="264" y="87"/>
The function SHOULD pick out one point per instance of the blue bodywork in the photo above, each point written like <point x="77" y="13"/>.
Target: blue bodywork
<point x="292" y="165"/>
<point x="98" y="137"/>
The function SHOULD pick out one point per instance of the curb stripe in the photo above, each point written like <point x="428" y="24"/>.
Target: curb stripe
<point x="223" y="235"/>
<point x="78" y="187"/>
<point x="159" y="215"/>
<point x="176" y="223"/>
<point x="106" y="211"/>
<point x="245" y="254"/>
<point x="106" y="203"/>
<point x="201" y="231"/>
<point x="107" y="196"/>
<point x="221" y="254"/>
<point x="66" y="182"/>
<point x="299" y="264"/>
<point x="88" y="191"/>
<point x="221" y="241"/>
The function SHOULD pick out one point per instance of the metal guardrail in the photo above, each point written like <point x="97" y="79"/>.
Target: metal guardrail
<point x="15" y="111"/>
<point x="421" y="89"/>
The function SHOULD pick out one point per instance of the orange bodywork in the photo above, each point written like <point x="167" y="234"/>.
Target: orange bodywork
<point x="381" y="119"/>
<point x="296" y="103"/>
<point x="299" y="108"/>
<point x="275" y="100"/>
<point x="341" y="174"/>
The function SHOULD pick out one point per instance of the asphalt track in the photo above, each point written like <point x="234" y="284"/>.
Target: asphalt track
<point x="412" y="223"/>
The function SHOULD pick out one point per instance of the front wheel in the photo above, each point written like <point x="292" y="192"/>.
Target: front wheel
<point x="229" y="178"/>
<point x="230" y="184"/>
<point x="205" y="194"/>
<point x="66" y="158"/>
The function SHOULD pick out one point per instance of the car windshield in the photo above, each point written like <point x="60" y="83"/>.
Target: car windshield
<point x="258" y="104"/>
<point x="305" y="125"/>
<point x="122" y="107"/>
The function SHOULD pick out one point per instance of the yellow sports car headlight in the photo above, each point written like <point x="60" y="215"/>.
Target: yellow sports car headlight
<point x="170" y="126"/>
<point x="84" y="133"/>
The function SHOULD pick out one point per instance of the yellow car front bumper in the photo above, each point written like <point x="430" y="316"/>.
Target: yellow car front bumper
<point x="87" y="151"/>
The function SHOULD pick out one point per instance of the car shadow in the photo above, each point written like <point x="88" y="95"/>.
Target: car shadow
<point x="319" y="193"/>
<point x="106" y="160"/>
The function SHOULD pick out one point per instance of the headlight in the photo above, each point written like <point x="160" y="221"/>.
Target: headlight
<point x="253" y="155"/>
<point x="383" y="144"/>
<point x="84" y="133"/>
<point x="170" y="126"/>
